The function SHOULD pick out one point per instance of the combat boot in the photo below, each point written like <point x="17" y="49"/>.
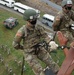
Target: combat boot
<point x="48" y="71"/>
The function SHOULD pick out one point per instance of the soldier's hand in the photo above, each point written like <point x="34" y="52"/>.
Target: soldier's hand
<point x="53" y="45"/>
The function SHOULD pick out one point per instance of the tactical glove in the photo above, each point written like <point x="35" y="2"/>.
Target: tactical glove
<point x="53" y="45"/>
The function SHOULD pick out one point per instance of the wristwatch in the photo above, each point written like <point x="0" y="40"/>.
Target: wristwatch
<point x="63" y="47"/>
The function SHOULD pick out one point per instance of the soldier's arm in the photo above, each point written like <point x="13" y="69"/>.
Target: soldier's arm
<point x="72" y="16"/>
<point x="17" y="39"/>
<point x="56" y="23"/>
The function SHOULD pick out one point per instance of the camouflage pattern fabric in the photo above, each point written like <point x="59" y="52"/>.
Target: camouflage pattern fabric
<point x="31" y="37"/>
<point x="44" y="56"/>
<point x="62" y="22"/>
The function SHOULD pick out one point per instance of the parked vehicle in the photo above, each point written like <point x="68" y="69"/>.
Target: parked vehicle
<point x="10" y="22"/>
<point x="21" y="8"/>
<point x="47" y="20"/>
<point x="8" y="3"/>
<point x="18" y="6"/>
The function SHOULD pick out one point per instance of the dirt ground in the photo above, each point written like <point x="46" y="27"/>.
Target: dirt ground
<point x="42" y="6"/>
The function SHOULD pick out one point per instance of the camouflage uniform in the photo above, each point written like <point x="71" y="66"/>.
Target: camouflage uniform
<point x="72" y="32"/>
<point x="33" y="51"/>
<point x="62" y="23"/>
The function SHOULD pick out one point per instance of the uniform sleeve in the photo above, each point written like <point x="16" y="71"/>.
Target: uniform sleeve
<point x="56" y="23"/>
<point x="18" y="38"/>
<point x="72" y="16"/>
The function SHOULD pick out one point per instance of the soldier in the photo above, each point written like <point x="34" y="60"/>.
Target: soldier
<point x="32" y="35"/>
<point x="10" y="71"/>
<point x="62" y="21"/>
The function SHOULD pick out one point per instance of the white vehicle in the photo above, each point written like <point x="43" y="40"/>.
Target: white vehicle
<point x="8" y="3"/>
<point x="21" y="8"/>
<point x="48" y="20"/>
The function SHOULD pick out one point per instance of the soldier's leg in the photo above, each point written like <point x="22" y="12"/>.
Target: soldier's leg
<point x="47" y="59"/>
<point x="34" y="64"/>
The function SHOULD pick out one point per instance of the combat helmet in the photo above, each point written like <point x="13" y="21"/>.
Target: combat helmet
<point x="29" y="14"/>
<point x="65" y="2"/>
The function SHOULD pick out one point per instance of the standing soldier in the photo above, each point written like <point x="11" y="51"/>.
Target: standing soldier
<point x="62" y="21"/>
<point x="32" y="35"/>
